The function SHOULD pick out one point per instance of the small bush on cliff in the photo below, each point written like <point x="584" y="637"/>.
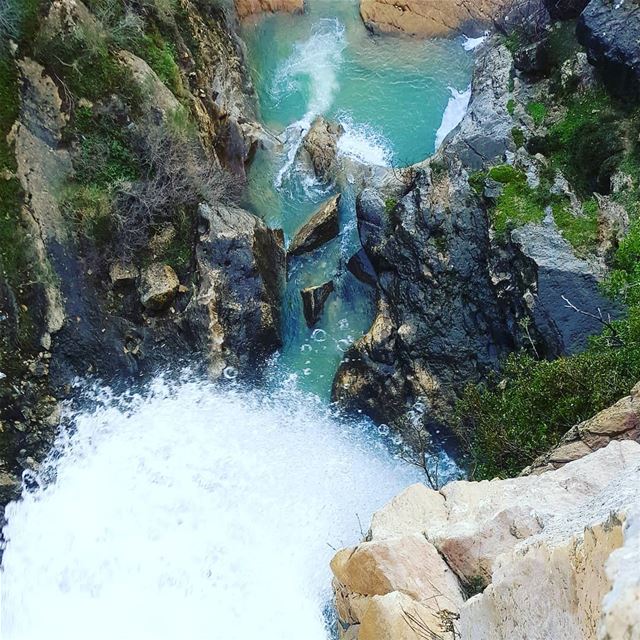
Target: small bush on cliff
<point x="518" y="204"/>
<point x="521" y="413"/>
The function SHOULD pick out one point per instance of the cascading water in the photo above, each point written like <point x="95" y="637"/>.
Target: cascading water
<point x="193" y="512"/>
<point x="199" y="511"/>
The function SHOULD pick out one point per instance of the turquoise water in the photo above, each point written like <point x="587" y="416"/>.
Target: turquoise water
<point x="390" y="94"/>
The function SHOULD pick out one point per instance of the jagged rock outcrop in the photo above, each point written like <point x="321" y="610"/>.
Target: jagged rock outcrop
<point x="313" y="301"/>
<point x="441" y="318"/>
<point x="432" y="18"/>
<point x="76" y="310"/>
<point x="537" y="547"/>
<point x="455" y="297"/>
<point x="319" y="148"/>
<point x="236" y="310"/>
<point x="318" y="230"/>
<point x="618" y="422"/>
<point x="610" y="32"/>
<point x="245" y="8"/>
<point x="565" y="9"/>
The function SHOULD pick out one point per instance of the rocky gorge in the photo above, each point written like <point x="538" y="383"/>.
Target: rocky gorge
<point x="129" y="247"/>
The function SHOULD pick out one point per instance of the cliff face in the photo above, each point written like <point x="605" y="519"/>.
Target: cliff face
<point x="544" y="554"/>
<point x="474" y="254"/>
<point x="125" y="250"/>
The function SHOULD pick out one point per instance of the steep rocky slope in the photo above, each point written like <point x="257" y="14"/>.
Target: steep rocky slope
<point x="487" y="248"/>
<point x="124" y="251"/>
<point x="543" y="553"/>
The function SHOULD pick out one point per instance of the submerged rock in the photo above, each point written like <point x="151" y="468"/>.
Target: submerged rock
<point x="610" y="32"/>
<point x="320" y="148"/>
<point x="158" y="286"/>
<point x="321" y="227"/>
<point x="540" y="543"/>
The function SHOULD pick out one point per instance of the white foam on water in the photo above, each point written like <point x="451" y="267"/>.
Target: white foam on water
<point x="453" y="114"/>
<point x="314" y="62"/>
<point x="469" y="44"/>
<point x="192" y="512"/>
<point x="362" y="143"/>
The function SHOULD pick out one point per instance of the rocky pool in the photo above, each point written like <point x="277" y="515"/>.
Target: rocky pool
<point x="395" y="98"/>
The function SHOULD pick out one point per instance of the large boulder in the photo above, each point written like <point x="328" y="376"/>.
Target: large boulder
<point x="236" y="310"/>
<point x="540" y="543"/>
<point x="610" y="32"/>
<point x="431" y="18"/>
<point x="318" y="230"/>
<point x="158" y="286"/>
<point x="319" y="148"/>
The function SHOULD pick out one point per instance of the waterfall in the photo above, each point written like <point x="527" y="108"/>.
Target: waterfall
<point x="194" y="512"/>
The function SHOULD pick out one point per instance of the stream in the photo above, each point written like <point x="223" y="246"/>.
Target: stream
<point x="199" y="511"/>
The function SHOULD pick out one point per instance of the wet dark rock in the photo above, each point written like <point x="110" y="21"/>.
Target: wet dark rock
<point x="360" y="266"/>
<point x="235" y="314"/>
<point x="313" y="301"/>
<point x="565" y="9"/>
<point x="321" y="227"/>
<point x="320" y="148"/>
<point x="610" y="32"/>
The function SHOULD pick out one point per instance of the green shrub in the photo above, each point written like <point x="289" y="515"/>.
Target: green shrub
<point x="518" y="204"/>
<point x="518" y="137"/>
<point x="588" y="142"/>
<point x="506" y="426"/>
<point x="88" y="207"/>
<point x="511" y="106"/>
<point x="104" y="154"/>
<point x="537" y="111"/>
<point x="389" y="205"/>
<point x="580" y="231"/>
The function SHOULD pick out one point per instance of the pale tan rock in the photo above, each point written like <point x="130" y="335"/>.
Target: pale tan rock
<point x="553" y="585"/>
<point x="480" y="520"/>
<point x="430" y="18"/>
<point x="411" y="565"/>
<point x="396" y="616"/>
<point x="618" y="422"/>
<point x="245" y="8"/>
<point x="158" y="286"/>
<point x="549" y="546"/>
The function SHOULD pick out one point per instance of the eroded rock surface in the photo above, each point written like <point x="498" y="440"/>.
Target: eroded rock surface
<point x="320" y="148"/>
<point x="538" y="548"/>
<point x="431" y="18"/>
<point x="245" y="8"/>
<point x="610" y="31"/>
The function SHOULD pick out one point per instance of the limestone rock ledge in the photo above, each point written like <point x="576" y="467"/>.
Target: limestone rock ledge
<point x="548" y="556"/>
<point x="246" y="8"/>
<point x="431" y="18"/>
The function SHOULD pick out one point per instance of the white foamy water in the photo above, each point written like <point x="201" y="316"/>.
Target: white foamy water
<point x="453" y="114"/>
<point x="360" y="142"/>
<point x="194" y="513"/>
<point x="311" y="69"/>
<point x="469" y="44"/>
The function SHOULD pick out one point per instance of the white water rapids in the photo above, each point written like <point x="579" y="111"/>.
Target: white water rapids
<point x="193" y="513"/>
